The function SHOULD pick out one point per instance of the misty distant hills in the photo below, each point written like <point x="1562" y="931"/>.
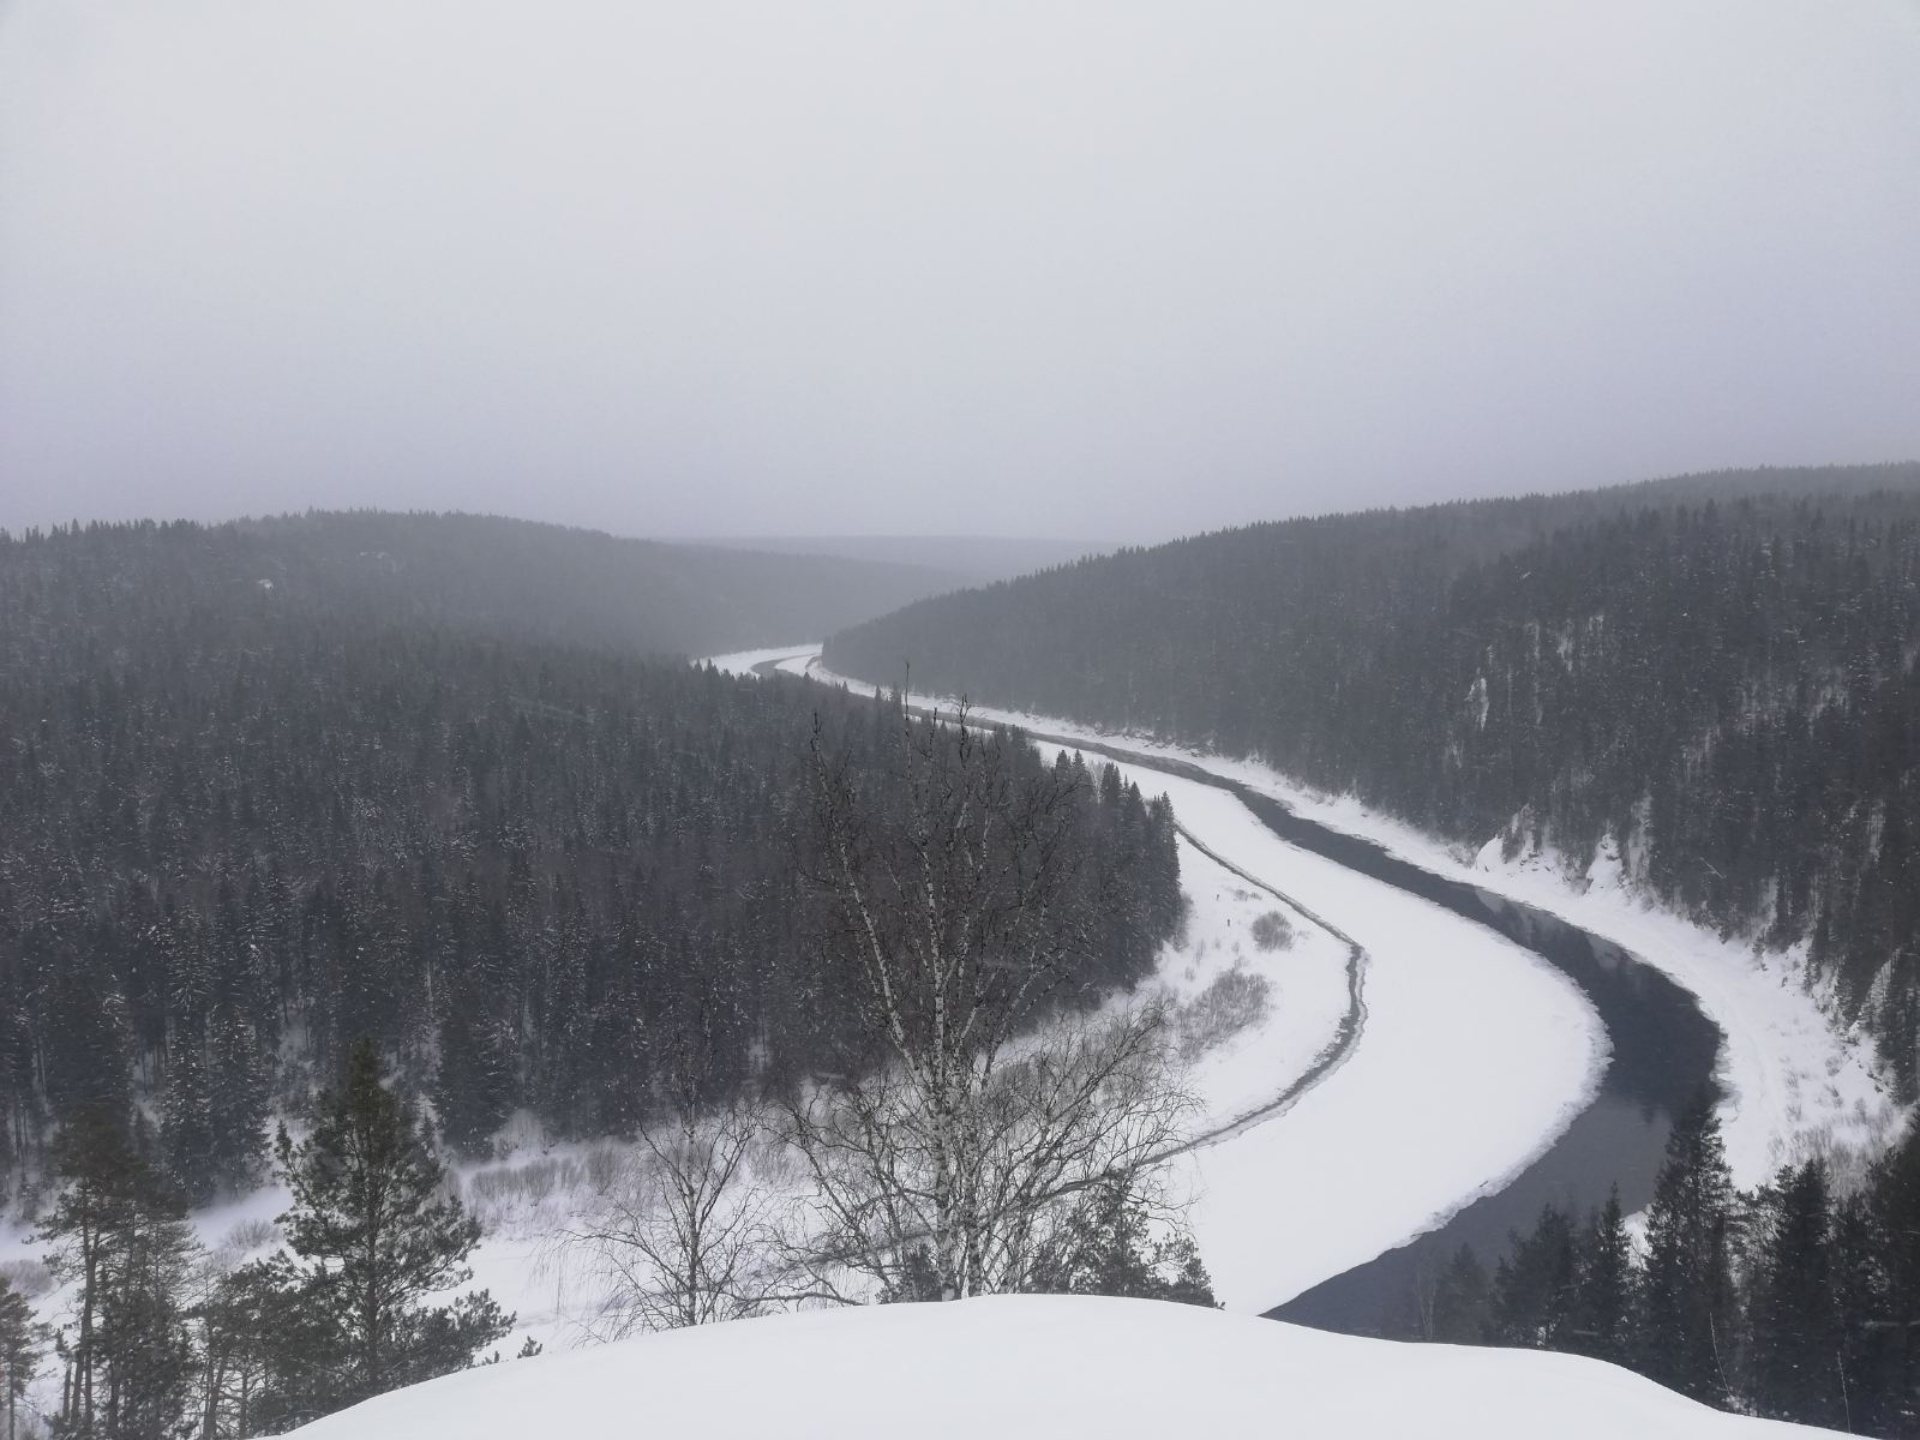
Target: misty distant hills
<point x="483" y="574"/>
<point x="967" y="559"/>
<point x="1714" y="674"/>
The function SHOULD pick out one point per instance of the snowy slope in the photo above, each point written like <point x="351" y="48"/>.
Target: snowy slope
<point x="1035" y="1366"/>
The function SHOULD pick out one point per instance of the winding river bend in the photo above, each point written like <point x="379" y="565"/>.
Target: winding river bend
<point x="1664" y="1051"/>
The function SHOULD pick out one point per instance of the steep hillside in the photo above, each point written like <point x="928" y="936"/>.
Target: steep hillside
<point x="265" y="795"/>
<point x="1714" y="674"/>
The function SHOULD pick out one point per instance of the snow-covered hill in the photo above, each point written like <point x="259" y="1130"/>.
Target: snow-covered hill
<point x="1039" y="1366"/>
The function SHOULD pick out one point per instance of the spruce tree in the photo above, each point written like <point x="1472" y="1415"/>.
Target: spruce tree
<point x="376" y="1238"/>
<point x="1686" y="1337"/>
<point x="1603" y="1317"/>
<point x="1534" y="1290"/>
<point x="1891" y="1337"/>
<point x="1795" y="1334"/>
<point x="187" y="1132"/>
<point x="1463" y="1301"/>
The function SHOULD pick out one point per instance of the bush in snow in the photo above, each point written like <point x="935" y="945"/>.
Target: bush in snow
<point x="1272" y="932"/>
<point x="1236" y="999"/>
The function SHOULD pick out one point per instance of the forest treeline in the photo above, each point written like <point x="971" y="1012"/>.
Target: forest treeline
<point x="1793" y="1301"/>
<point x="1714" y="675"/>
<point x="247" y="827"/>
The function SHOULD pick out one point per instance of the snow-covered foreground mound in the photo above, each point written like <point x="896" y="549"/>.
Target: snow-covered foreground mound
<point x="1052" y="1366"/>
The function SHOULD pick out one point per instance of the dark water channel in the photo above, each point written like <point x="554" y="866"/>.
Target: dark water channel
<point x="1664" y="1052"/>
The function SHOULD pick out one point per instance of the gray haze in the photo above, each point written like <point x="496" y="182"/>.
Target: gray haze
<point x="1106" y="270"/>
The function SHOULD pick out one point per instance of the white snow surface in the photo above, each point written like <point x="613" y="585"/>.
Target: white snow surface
<point x="1012" y="1367"/>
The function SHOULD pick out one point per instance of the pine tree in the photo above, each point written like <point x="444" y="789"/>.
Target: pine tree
<point x="21" y="1351"/>
<point x="117" y="1233"/>
<point x="266" y="1355"/>
<point x="375" y="1238"/>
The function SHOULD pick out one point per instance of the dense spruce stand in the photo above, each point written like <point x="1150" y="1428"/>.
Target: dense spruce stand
<point x="305" y="820"/>
<point x="1794" y="1301"/>
<point x="249" y="828"/>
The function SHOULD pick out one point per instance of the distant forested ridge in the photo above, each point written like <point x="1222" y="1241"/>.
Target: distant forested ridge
<point x="243" y="826"/>
<point x="481" y="574"/>
<point x="1716" y="674"/>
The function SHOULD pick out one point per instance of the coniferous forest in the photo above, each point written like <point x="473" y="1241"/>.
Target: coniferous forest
<point x="1792" y="1301"/>
<point x="1714" y="674"/>
<point x="251" y="825"/>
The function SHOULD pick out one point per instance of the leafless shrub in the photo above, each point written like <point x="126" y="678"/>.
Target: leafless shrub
<point x="604" y="1166"/>
<point x="681" y="1233"/>
<point x="1236" y="999"/>
<point x="502" y="1185"/>
<point x="1272" y="931"/>
<point x="250" y="1235"/>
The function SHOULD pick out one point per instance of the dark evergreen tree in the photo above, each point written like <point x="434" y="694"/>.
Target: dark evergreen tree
<point x="1535" y="1290"/>
<point x="1794" y="1329"/>
<point x="1108" y="1246"/>
<point x="376" y="1238"/>
<point x="1463" y="1301"/>
<point x="1878" y="1254"/>
<point x="1687" y="1336"/>
<point x="22" y="1349"/>
<point x="187" y="1129"/>
<point x="116" y="1232"/>
<point x="1602" y="1324"/>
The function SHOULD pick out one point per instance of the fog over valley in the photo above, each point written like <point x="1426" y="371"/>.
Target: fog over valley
<point x="1111" y="273"/>
<point x="965" y="720"/>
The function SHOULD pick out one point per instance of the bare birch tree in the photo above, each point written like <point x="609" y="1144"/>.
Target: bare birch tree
<point x="940" y="905"/>
<point x="682" y="1234"/>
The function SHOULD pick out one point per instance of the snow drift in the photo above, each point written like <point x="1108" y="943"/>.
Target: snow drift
<point x="1017" y="1366"/>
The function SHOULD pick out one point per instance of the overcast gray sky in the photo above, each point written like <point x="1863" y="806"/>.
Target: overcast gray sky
<point x="1110" y="270"/>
